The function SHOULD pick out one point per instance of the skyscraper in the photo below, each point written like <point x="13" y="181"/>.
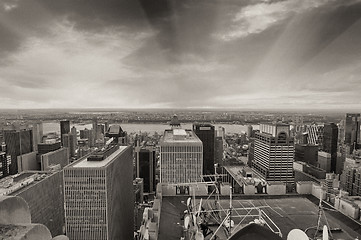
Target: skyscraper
<point x="206" y="133"/>
<point x="146" y="165"/>
<point x="315" y="134"/>
<point x="69" y="141"/>
<point x="99" y="201"/>
<point x="352" y="130"/>
<point x="273" y="153"/>
<point x="64" y="129"/>
<point x="329" y="144"/>
<point x="17" y="143"/>
<point x="181" y="153"/>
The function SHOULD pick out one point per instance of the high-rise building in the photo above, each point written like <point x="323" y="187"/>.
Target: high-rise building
<point x="218" y="152"/>
<point x="88" y="134"/>
<point x="249" y="131"/>
<point x="95" y="128"/>
<point x="64" y="129"/>
<point x="324" y="161"/>
<point x="315" y="134"/>
<point x="146" y="164"/>
<point x="48" y="146"/>
<point x="99" y="200"/>
<point x="5" y="161"/>
<point x="352" y="130"/>
<point x="306" y="153"/>
<point x="116" y="132"/>
<point x="181" y="156"/>
<point x="37" y="129"/>
<point x="273" y="153"/>
<point x="59" y="157"/>
<point x="69" y="141"/>
<point x="206" y="133"/>
<point x="329" y="144"/>
<point x="17" y="143"/>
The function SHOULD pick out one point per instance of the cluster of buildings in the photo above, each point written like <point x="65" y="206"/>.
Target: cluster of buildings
<point x="98" y="186"/>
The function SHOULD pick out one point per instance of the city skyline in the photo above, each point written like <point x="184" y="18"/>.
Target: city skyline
<point x="255" y="54"/>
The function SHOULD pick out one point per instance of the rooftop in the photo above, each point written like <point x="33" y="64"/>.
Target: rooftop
<point x="287" y="212"/>
<point x="180" y="135"/>
<point x="84" y="163"/>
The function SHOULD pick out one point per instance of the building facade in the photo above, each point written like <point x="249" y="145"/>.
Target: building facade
<point x="64" y="128"/>
<point x="273" y="153"/>
<point x="352" y="130"/>
<point x="306" y="153"/>
<point x="329" y="144"/>
<point x="181" y="157"/>
<point x="99" y="198"/>
<point x="146" y="164"/>
<point x="206" y="133"/>
<point x="17" y="143"/>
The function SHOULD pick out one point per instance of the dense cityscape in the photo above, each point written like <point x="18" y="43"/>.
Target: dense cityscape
<point x="180" y="120"/>
<point x="89" y="178"/>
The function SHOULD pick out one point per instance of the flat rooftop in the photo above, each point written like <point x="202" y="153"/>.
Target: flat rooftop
<point x="84" y="163"/>
<point x="288" y="212"/>
<point x="180" y="135"/>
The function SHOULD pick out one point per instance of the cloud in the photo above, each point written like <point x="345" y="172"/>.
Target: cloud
<point x="9" y="5"/>
<point x="253" y="19"/>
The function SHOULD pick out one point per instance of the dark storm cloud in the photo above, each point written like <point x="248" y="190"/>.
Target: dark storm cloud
<point x="193" y="53"/>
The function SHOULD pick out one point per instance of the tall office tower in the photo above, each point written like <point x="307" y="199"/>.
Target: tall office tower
<point x="329" y="144"/>
<point x="64" y="129"/>
<point x="37" y="134"/>
<point x="181" y="156"/>
<point x="75" y="133"/>
<point x="298" y="123"/>
<point x="218" y="152"/>
<point x="17" y="143"/>
<point x="273" y="153"/>
<point x="249" y="131"/>
<point x="88" y="134"/>
<point x="205" y="132"/>
<point x="95" y="127"/>
<point x="99" y="199"/>
<point x="221" y="132"/>
<point x="69" y="141"/>
<point x="4" y="166"/>
<point x="352" y="130"/>
<point x="146" y="164"/>
<point x="315" y="134"/>
<point x="306" y="153"/>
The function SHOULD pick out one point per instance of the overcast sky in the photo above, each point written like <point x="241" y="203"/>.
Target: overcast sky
<point x="180" y="53"/>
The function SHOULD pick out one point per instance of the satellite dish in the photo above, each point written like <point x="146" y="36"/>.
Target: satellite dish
<point x="325" y="233"/>
<point x="199" y="236"/>
<point x="186" y="222"/>
<point x="297" y="234"/>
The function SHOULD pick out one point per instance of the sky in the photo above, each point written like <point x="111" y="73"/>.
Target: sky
<point x="246" y="54"/>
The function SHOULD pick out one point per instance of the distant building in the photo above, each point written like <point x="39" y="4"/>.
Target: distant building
<point x="181" y="157"/>
<point x="17" y="143"/>
<point x="64" y="129"/>
<point x="329" y="144"/>
<point x="306" y="153"/>
<point x="58" y="157"/>
<point x="273" y="153"/>
<point x="27" y="162"/>
<point x="70" y="141"/>
<point x="116" y="132"/>
<point x="146" y="164"/>
<point x="88" y="134"/>
<point x="99" y="196"/>
<point x="315" y="134"/>
<point x="5" y="161"/>
<point x="249" y="131"/>
<point x="49" y="146"/>
<point x="206" y="133"/>
<point x="37" y="129"/>
<point x="218" y="150"/>
<point x="352" y="130"/>
<point x="324" y="161"/>
<point x="350" y="177"/>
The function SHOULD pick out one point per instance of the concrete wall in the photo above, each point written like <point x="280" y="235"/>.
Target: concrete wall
<point x="304" y="187"/>
<point x="27" y="162"/>
<point x="249" y="189"/>
<point x="276" y="189"/>
<point x="348" y="208"/>
<point x="316" y="191"/>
